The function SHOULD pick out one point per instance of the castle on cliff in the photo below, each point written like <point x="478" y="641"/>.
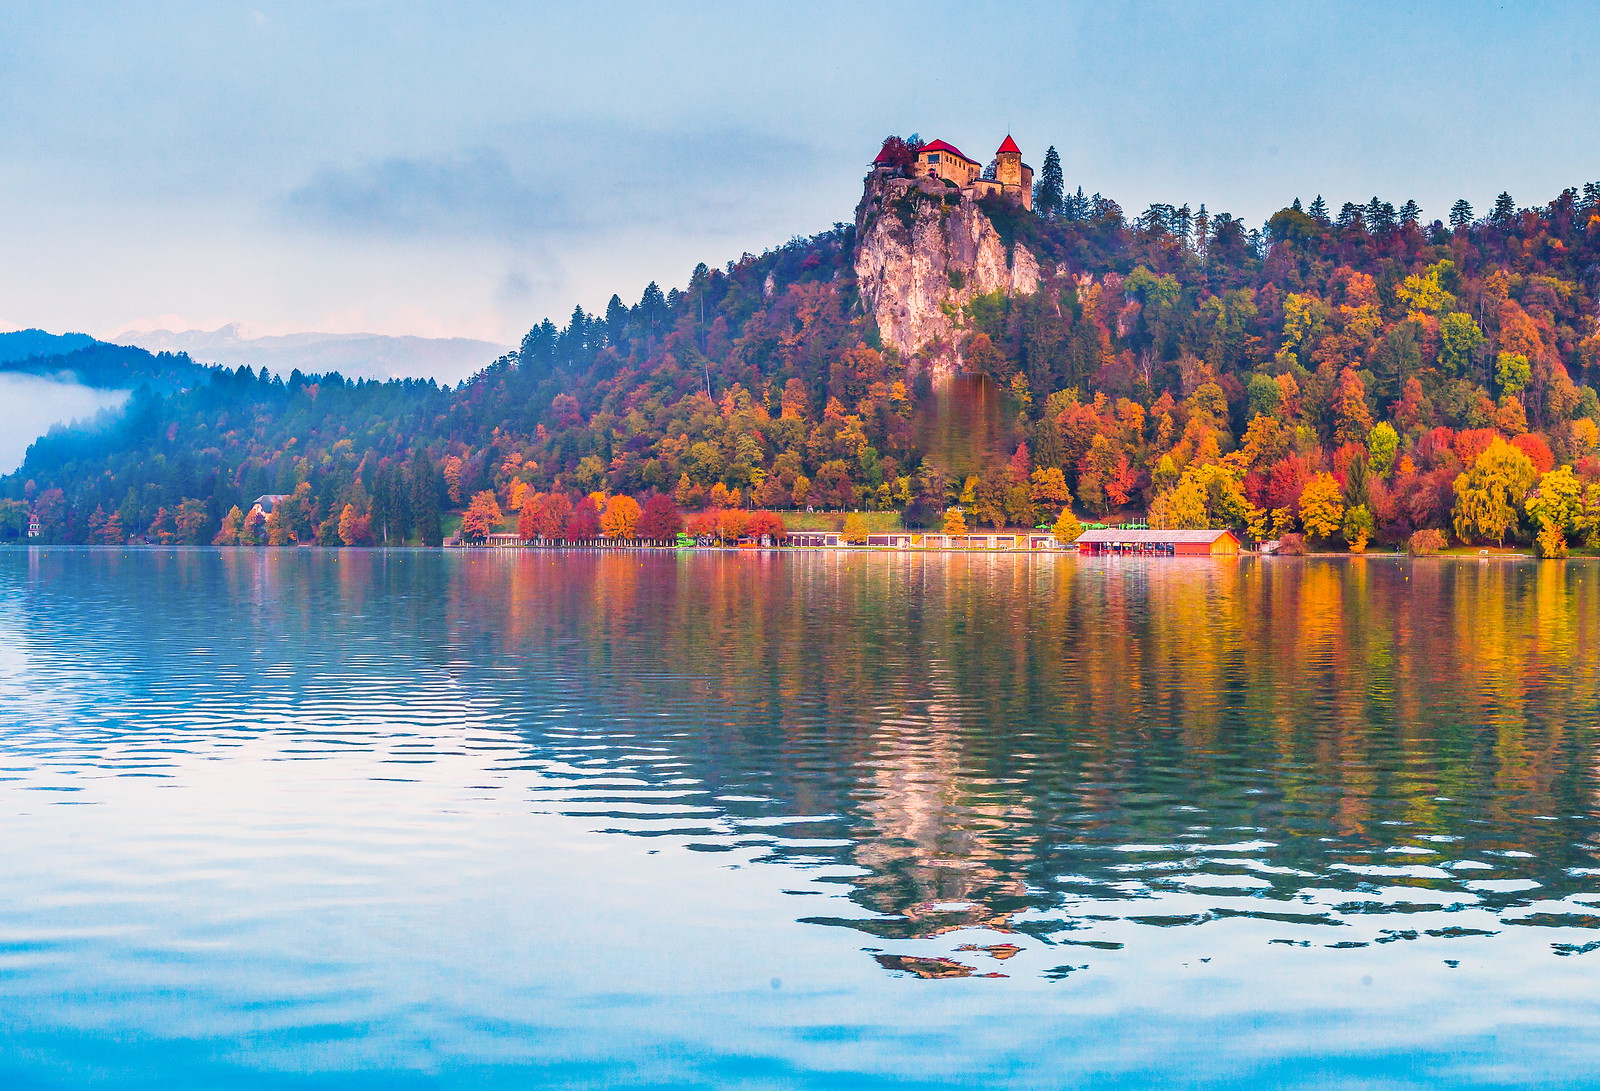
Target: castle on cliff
<point x="1011" y="179"/>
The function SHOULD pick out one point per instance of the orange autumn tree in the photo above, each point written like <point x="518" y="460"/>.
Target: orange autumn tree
<point x="528" y="516"/>
<point x="732" y="524"/>
<point x="482" y="517"/>
<point x="621" y="518"/>
<point x="553" y="510"/>
<point x="767" y="523"/>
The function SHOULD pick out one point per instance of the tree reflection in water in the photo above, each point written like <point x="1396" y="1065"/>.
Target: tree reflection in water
<point x="1020" y="747"/>
<point x="986" y="751"/>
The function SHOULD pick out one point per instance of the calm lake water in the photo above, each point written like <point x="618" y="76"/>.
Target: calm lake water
<point x="424" y="819"/>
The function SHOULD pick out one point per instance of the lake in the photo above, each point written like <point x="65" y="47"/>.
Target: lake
<point x="411" y="819"/>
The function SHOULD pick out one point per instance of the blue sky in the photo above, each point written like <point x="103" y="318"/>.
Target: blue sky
<point x="464" y="170"/>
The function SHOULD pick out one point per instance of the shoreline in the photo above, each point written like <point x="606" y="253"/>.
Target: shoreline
<point x="808" y="550"/>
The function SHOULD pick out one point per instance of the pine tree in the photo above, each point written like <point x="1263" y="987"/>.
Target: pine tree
<point x="1050" y="191"/>
<point x="1504" y="209"/>
<point x="1319" y="210"/>
<point x="1461" y="215"/>
<point x="1410" y="213"/>
<point x="425" y="499"/>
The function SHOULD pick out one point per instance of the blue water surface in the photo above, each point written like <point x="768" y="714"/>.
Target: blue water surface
<point x="347" y="819"/>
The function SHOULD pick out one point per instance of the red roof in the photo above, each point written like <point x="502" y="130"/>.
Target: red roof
<point x="1009" y="146"/>
<point x="941" y="146"/>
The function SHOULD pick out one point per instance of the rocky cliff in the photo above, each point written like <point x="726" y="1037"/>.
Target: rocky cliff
<point x="923" y="252"/>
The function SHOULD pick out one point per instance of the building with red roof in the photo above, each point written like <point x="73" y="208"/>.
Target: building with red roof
<point x="1008" y="177"/>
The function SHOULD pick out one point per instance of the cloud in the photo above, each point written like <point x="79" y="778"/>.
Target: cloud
<point x="557" y="183"/>
<point x="474" y="194"/>
<point x="515" y="290"/>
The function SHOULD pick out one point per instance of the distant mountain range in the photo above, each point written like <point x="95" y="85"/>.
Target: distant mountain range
<point x="354" y="355"/>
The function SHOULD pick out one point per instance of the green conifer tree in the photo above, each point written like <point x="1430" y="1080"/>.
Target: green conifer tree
<point x="1050" y="190"/>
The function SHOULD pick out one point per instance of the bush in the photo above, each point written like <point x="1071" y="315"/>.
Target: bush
<point x="1425" y="543"/>
<point x="1292" y="545"/>
<point x="1551" y="543"/>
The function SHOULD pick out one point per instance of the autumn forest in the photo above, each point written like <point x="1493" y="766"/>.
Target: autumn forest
<point x="1341" y="379"/>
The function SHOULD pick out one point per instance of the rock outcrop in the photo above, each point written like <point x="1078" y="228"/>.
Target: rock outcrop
<point x="923" y="252"/>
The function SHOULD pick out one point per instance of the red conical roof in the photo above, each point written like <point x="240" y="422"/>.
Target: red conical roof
<point x="1009" y="146"/>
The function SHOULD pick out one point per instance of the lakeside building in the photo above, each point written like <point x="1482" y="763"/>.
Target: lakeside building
<point x="266" y="502"/>
<point x="1157" y="543"/>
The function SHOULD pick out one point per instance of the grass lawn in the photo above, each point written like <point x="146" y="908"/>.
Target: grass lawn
<point x="1493" y="551"/>
<point x="878" y="522"/>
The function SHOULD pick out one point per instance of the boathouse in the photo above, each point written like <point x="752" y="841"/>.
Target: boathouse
<point x="1157" y="543"/>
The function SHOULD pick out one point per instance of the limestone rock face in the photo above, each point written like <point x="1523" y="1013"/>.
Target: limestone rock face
<point x="922" y="253"/>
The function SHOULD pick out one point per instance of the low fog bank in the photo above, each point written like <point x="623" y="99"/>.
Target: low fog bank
<point x="29" y="405"/>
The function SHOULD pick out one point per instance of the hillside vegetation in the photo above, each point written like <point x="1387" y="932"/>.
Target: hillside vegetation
<point x="1355" y="376"/>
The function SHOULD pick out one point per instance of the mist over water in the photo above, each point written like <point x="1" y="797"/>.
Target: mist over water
<point x="417" y="818"/>
<point x="30" y="405"/>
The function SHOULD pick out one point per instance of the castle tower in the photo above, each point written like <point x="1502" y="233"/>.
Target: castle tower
<point x="1015" y="176"/>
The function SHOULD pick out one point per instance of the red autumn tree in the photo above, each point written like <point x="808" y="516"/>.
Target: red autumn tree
<point x="703" y="524"/>
<point x="1021" y="466"/>
<point x="660" y="520"/>
<point x="898" y="153"/>
<point x="1538" y="451"/>
<point x="584" y="523"/>
<point x="555" y="509"/>
<point x="768" y="523"/>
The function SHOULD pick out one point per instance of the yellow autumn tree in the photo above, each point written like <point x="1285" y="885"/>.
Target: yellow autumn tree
<point x="1048" y="486"/>
<point x="620" y="518"/>
<point x="231" y="526"/>
<point x="279" y="533"/>
<point x="1555" y="508"/>
<point x="1489" y="495"/>
<point x="1357" y="528"/>
<point x="955" y="522"/>
<point x="1067" y="529"/>
<point x="855" y="529"/>
<point x="1321" y="506"/>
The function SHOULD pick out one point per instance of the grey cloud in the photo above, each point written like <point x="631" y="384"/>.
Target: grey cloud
<point x="559" y="182"/>
<point x="475" y="194"/>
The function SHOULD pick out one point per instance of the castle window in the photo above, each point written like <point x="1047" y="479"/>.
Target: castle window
<point x="934" y="158"/>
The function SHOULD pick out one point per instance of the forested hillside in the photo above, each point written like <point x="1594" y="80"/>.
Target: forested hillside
<point x="80" y="358"/>
<point x="1356" y="375"/>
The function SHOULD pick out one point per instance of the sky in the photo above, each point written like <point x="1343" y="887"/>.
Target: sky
<point x="465" y="170"/>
